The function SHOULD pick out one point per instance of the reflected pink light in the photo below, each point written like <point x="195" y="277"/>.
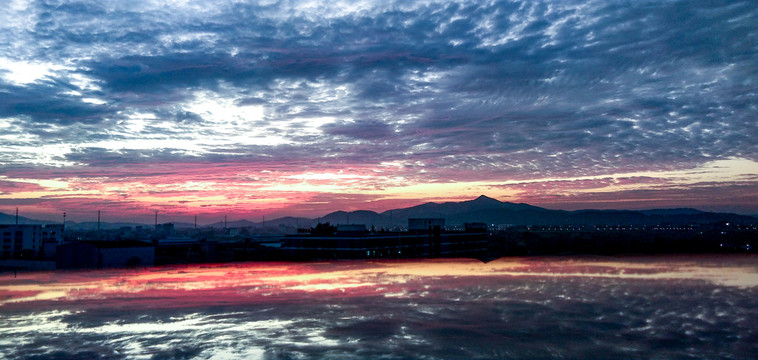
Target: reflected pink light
<point x="251" y="283"/>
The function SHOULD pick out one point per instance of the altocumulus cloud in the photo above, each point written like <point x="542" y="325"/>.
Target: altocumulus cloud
<point x="443" y="90"/>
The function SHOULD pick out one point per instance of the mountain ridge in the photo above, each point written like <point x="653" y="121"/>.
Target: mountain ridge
<point x="482" y="209"/>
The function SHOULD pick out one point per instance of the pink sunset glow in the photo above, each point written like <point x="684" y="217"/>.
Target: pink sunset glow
<point x="249" y="283"/>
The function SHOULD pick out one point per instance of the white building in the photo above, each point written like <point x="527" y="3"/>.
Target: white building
<point x="426" y="224"/>
<point x="30" y="241"/>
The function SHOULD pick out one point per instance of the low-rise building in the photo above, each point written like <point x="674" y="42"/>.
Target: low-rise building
<point x="30" y="241"/>
<point x="426" y="224"/>
<point x="425" y="241"/>
<point x="105" y="254"/>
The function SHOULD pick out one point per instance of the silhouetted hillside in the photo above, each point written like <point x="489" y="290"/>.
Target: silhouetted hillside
<point x="92" y="225"/>
<point x="482" y="203"/>
<point x="369" y="218"/>
<point x="482" y="209"/>
<point x="669" y="212"/>
<point x="11" y="219"/>
<point x="233" y="224"/>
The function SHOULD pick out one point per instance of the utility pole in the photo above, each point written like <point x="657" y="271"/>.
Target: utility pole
<point x="98" y="220"/>
<point x="16" y="216"/>
<point x="64" y="220"/>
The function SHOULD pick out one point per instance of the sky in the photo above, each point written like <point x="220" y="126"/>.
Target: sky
<point x="273" y="108"/>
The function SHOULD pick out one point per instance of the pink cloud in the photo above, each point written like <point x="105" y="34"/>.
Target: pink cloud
<point x="10" y="187"/>
<point x="546" y="187"/>
<point x="740" y="197"/>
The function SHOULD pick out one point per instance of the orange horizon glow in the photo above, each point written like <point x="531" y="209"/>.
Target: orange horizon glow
<point x="180" y="192"/>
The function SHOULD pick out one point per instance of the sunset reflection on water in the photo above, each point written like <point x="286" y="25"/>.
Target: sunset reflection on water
<point x="446" y="308"/>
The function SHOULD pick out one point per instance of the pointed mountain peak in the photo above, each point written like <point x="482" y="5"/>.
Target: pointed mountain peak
<point x="485" y="201"/>
<point x="484" y="198"/>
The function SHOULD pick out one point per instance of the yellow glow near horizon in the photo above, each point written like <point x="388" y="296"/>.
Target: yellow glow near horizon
<point x="267" y="189"/>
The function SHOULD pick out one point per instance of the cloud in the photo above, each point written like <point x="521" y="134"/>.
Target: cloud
<point x="10" y="187"/>
<point x="44" y="103"/>
<point x="365" y="130"/>
<point x="455" y="91"/>
<point x="720" y="197"/>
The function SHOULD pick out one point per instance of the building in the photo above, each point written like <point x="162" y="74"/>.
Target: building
<point x="183" y="250"/>
<point x="427" y="240"/>
<point x="30" y="241"/>
<point x="105" y="254"/>
<point x="163" y="230"/>
<point x="352" y="230"/>
<point x="475" y="227"/>
<point x="426" y="224"/>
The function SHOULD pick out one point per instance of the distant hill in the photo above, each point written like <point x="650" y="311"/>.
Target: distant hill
<point x="289" y="222"/>
<point x="357" y="217"/>
<point x="453" y="212"/>
<point x="184" y="225"/>
<point x="482" y="203"/>
<point x="482" y="209"/>
<point x="669" y="212"/>
<point x="233" y="224"/>
<point x="491" y="211"/>
<point x="11" y="219"/>
<point x="92" y="225"/>
<point x="295" y="222"/>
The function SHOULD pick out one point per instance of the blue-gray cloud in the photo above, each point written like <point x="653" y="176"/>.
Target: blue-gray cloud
<point x="506" y="88"/>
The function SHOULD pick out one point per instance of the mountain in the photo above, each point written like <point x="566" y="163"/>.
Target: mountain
<point x="293" y="222"/>
<point x="482" y="209"/>
<point x="475" y="210"/>
<point x="491" y="211"/>
<point x="369" y="218"/>
<point x="234" y="224"/>
<point x="482" y="203"/>
<point x="669" y="212"/>
<point x="11" y="219"/>
<point x="92" y="225"/>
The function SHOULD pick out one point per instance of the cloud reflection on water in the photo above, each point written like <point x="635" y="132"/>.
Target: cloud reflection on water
<point x="684" y="307"/>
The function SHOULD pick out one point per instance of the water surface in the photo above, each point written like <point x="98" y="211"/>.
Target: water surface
<point x="512" y="308"/>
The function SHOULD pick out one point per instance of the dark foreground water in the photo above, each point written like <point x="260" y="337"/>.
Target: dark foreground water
<point x="514" y="308"/>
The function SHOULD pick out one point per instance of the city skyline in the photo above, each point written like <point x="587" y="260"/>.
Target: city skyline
<point x="306" y="107"/>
